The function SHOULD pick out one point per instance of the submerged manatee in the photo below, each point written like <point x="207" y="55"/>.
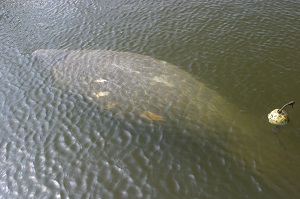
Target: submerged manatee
<point x="138" y="89"/>
<point x="139" y="86"/>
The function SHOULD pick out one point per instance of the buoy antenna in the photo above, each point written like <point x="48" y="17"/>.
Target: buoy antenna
<point x="289" y="103"/>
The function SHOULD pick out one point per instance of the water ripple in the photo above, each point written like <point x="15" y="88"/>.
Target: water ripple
<point x="58" y="144"/>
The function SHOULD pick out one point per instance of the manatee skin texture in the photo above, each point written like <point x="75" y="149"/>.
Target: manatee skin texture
<point x="127" y="83"/>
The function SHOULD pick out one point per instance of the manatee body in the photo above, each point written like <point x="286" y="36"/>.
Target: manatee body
<point x="131" y="87"/>
<point x="128" y="84"/>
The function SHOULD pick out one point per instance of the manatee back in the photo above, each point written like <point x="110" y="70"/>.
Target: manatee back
<point x="127" y="83"/>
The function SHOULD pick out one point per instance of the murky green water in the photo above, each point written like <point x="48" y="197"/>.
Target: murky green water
<point x="58" y="143"/>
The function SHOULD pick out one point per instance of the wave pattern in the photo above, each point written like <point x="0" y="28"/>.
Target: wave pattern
<point x="57" y="144"/>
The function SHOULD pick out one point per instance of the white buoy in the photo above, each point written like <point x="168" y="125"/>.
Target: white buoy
<point x="280" y="116"/>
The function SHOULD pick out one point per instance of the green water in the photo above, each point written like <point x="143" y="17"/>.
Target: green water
<point x="57" y="144"/>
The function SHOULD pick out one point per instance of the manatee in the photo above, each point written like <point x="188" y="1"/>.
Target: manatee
<point x="131" y="84"/>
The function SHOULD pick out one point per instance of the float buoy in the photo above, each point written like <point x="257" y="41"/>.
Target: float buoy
<point x="280" y="116"/>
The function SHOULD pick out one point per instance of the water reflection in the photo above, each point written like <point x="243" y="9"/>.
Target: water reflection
<point x="58" y="144"/>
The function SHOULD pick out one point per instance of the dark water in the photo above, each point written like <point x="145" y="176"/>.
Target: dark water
<point x="57" y="144"/>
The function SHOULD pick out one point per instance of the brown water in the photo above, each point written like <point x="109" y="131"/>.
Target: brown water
<point x="57" y="144"/>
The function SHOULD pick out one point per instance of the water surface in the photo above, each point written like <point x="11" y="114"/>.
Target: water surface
<point x="56" y="143"/>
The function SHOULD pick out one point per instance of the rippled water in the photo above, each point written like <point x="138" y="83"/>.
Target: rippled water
<point x="57" y="143"/>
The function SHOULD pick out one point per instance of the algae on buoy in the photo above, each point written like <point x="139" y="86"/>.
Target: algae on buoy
<point x="280" y="116"/>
